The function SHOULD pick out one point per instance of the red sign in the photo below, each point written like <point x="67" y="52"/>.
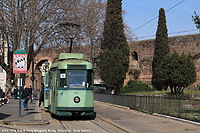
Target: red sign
<point x="19" y="63"/>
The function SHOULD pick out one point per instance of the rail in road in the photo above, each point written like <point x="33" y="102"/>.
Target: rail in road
<point x="94" y="126"/>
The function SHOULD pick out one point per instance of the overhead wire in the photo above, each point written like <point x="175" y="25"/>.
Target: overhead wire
<point x="169" y="33"/>
<point x="158" y="16"/>
<point x="182" y="31"/>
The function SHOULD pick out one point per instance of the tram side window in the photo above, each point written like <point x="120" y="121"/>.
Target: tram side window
<point x="54" y="79"/>
<point x="89" y="79"/>
<point x="46" y="79"/>
<point x="63" y="82"/>
<point x="47" y="92"/>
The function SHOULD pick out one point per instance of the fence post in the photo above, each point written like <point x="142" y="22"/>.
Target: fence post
<point x="135" y="101"/>
<point x="179" y="112"/>
<point x="146" y="103"/>
<point x="153" y="105"/>
<point x="140" y="103"/>
<point x="165" y="105"/>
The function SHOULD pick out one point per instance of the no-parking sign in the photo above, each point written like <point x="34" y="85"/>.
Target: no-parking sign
<point x="20" y="61"/>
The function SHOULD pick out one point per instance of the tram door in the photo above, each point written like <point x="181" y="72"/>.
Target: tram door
<point x="53" y="90"/>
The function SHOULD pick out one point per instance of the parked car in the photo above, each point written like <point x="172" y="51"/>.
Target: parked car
<point x="99" y="89"/>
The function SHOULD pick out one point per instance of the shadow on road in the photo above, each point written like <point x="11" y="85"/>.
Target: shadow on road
<point x="3" y="116"/>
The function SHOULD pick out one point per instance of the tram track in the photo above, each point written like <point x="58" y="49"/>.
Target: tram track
<point x="101" y="127"/>
<point x="86" y="129"/>
<point x="65" y="127"/>
<point x="113" y="124"/>
<point x="98" y="126"/>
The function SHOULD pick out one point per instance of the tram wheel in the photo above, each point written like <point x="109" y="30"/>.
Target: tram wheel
<point x="93" y="116"/>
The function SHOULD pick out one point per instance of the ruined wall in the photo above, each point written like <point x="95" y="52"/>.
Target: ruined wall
<point x="188" y="44"/>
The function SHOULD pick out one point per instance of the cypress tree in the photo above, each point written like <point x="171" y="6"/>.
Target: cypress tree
<point x="161" y="48"/>
<point x="196" y="20"/>
<point x="113" y="41"/>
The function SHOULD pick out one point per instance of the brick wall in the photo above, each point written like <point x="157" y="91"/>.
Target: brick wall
<point x="188" y="44"/>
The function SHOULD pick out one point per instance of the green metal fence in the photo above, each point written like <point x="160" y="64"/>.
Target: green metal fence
<point x="182" y="108"/>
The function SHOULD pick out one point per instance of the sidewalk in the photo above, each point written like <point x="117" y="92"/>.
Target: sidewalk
<point x="9" y="114"/>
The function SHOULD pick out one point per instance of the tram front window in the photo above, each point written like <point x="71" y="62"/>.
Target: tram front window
<point x="76" y="79"/>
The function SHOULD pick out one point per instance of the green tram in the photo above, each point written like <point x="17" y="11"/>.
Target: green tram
<point x="71" y="86"/>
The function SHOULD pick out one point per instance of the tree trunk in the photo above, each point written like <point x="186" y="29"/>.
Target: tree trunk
<point x="175" y="89"/>
<point x="171" y="88"/>
<point x="8" y="83"/>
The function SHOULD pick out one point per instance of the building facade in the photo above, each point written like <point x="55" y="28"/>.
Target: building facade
<point x="4" y="56"/>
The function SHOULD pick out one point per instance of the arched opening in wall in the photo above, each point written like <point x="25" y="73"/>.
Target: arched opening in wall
<point x="135" y="55"/>
<point x="40" y="69"/>
<point x="43" y="65"/>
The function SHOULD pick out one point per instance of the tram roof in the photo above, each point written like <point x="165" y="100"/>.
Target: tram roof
<point x="66" y="56"/>
<point x="67" y="63"/>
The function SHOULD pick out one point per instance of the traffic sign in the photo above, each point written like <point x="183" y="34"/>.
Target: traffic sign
<point x="20" y="61"/>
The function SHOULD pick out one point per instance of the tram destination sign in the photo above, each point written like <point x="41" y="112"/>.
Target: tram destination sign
<point x="20" y="61"/>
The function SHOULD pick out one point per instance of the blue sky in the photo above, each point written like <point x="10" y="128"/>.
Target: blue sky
<point x="138" y="12"/>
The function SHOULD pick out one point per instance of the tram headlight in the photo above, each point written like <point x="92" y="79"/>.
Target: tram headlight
<point x="77" y="99"/>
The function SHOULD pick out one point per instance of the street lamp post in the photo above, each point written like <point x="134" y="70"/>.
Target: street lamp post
<point x="66" y="23"/>
<point x="38" y="91"/>
<point x="32" y="78"/>
<point x="71" y="42"/>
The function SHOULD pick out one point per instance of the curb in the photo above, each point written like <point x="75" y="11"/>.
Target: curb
<point x="177" y="119"/>
<point x="10" y="122"/>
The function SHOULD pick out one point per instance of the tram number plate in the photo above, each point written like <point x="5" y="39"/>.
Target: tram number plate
<point x="62" y="75"/>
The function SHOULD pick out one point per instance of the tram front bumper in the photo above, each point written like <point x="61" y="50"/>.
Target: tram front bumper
<point x="75" y="111"/>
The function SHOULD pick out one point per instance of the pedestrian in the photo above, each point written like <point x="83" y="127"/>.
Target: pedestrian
<point x="15" y="92"/>
<point x="30" y="93"/>
<point x="2" y="94"/>
<point x="12" y="92"/>
<point x="26" y="98"/>
<point x="41" y="99"/>
<point x="23" y="91"/>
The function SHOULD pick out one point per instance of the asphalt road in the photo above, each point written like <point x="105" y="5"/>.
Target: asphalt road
<point x="135" y="121"/>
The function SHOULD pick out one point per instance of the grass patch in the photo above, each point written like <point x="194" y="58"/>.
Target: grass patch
<point x="148" y="93"/>
<point x="186" y="92"/>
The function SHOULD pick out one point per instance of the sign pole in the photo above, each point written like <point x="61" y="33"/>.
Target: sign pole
<point x="20" y="66"/>
<point x="19" y="94"/>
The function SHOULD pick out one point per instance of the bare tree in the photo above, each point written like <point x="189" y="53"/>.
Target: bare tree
<point x="34" y="24"/>
<point x="89" y="14"/>
<point x="29" y="25"/>
<point x="94" y="10"/>
<point x="127" y="29"/>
